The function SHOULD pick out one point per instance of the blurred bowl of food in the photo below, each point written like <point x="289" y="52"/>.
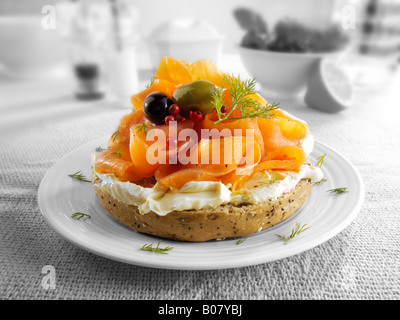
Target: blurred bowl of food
<point x="281" y="74"/>
<point x="185" y="39"/>
<point x="27" y="49"/>
<point x="282" y="60"/>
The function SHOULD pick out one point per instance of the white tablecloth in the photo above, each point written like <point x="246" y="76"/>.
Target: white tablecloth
<point x="40" y="122"/>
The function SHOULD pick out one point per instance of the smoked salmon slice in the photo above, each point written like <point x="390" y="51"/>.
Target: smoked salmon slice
<point x="173" y="70"/>
<point x="150" y="146"/>
<point x="205" y="70"/>
<point x="116" y="159"/>
<point x="234" y="127"/>
<point x="287" y="158"/>
<point x="278" y="132"/>
<point x="122" y="134"/>
<point x="232" y="153"/>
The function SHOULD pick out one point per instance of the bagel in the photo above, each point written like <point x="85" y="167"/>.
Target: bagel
<point x="224" y="221"/>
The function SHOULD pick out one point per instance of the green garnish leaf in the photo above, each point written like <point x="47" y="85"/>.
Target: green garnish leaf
<point x="117" y="153"/>
<point x="260" y="111"/>
<point x="241" y="241"/>
<point x="320" y="161"/>
<point x="295" y="231"/>
<point x="79" y="176"/>
<point x="149" y="247"/>
<point x="150" y="84"/>
<point x="80" y="215"/>
<point x="338" y="190"/>
<point x="115" y="135"/>
<point x="143" y="129"/>
<point x="240" y="92"/>
<point x="99" y="149"/>
<point x="264" y="183"/>
<point x="319" y="182"/>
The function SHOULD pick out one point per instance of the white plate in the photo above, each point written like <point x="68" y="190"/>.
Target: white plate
<point x="326" y="214"/>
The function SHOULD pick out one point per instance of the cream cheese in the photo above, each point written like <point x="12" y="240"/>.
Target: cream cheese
<point x="204" y="194"/>
<point x="193" y="195"/>
<point x="259" y="188"/>
<point x="307" y="143"/>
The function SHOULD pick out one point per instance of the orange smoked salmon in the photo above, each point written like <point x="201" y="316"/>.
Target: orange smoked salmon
<point x="275" y="142"/>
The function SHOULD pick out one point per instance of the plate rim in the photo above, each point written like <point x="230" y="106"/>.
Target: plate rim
<point x="226" y="265"/>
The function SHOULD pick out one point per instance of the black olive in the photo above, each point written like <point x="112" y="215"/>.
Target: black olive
<point x="155" y="107"/>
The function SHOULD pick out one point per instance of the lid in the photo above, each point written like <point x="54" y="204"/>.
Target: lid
<point x="184" y="30"/>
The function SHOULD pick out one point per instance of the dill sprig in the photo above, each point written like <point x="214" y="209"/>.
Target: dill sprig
<point x="79" y="176"/>
<point x="319" y="182"/>
<point x="240" y="92"/>
<point x="320" y="161"/>
<point x="117" y="153"/>
<point x="143" y="129"/>
<point x="338" y="190"/>
<point x="115" y="135"/>
<point x="80" y="215"/>
<point x="295" y="231"/>
<point x="260" y="111"/>
<point x="264" y="183"/>
<point x="150" y="84"/>
<point x="99" y="149"/>
<point x="149" y="247"/>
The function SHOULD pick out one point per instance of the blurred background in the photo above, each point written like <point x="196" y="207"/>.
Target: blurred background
<point x="109" y="49"/>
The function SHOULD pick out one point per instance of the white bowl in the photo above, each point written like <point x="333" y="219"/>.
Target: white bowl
<point x="282" y="75"/>
<point x="26" y="48"/>
<point x="185" y="39"/>
<point x="190" y="51"/>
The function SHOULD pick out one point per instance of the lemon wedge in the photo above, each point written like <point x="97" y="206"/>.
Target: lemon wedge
<point x="329" y="88"/>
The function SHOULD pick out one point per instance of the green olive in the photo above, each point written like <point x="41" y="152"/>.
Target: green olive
<point x="196" y="95"/>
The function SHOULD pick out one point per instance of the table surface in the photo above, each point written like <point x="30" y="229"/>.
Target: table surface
<point x="41" y="121"/>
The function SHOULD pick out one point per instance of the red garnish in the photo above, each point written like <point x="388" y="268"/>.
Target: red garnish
<point x="169" y="118"/>
<point x="224" y="109"/>
<point x="174" y="109"/>
<point x="196" y="116"/>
